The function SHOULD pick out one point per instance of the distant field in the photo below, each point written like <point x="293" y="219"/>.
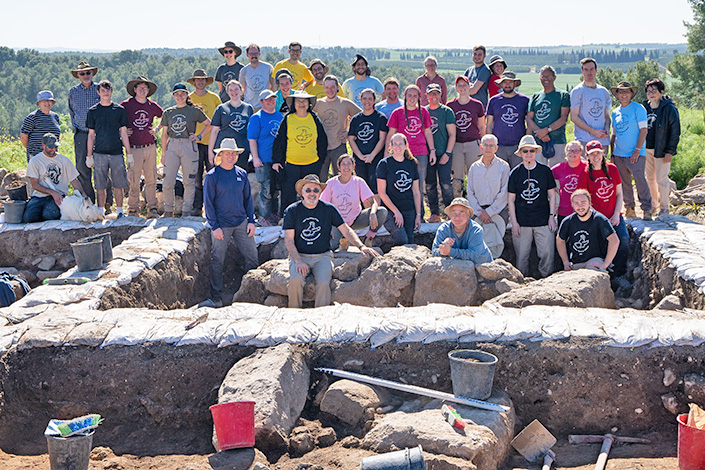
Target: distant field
<point x="530" y="83"/>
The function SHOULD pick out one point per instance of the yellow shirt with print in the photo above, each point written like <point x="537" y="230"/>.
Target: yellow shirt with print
<point x="302" y="136"/>
<point x="299" y="71"/>
<point x="208" y="103"/>
<point x="318" y="91"/>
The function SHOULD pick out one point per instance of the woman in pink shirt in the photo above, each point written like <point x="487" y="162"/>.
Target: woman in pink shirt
<point x="567" y="175"/>
<point x="346" y="191"/>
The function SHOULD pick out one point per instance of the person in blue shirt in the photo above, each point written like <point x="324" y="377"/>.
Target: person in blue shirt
<point x="461" y="237"/>
<point x="230" y="212"/>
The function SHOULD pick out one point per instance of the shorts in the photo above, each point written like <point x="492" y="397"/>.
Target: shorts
<point x="112" y="166"/>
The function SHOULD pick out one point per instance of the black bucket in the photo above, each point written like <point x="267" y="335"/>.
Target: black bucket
<point x="107" y="244"/>
<point x="19" y="193"/>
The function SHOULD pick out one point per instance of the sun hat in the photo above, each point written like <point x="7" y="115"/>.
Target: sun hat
<point x="496" y="58"/>
<point x="459" y="201"/>
<point x="232" y="45"/>
<point x="82" y="67"/>
<point x="508" y="75"/>
<point x="527" y="141"/>
<point x="300" y="94"/>
<point x="309" y="179"/>
<point x="45" y="95"/>
<point x="319" y="62"/>
<point x="141" y="79"/>
<point x="200" y="73"/>
<point x="624" y="86"/>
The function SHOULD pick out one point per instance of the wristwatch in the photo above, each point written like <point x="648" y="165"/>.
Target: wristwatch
<point x="450" y="154"/>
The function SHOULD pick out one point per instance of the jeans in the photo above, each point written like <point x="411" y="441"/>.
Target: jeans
<point x="267" y="201"/>
<point x="203" y="162"/>
<point x="293" y="173"/>
<point x="245" y="244"/>
<point x="401" y="235"/>
<point x="85" y="174"/>
<point x="361" y="221"/>
<point x="436" y="173"/>
<point x="368" y="171"/>
<point x="620" y="259"/>
<point x="39" y="209"/>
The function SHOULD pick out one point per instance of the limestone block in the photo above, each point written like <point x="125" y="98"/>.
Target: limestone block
<point x="46" y="262"/>
<point x="670" y="302"/>
<point x="505" y="285"/>
<point x="347" y="400"/>
<point x="41" y="275"/>
<point x="349" y="264"/>
<point x="446" y="280"/>
<point x="278" y="283"/>
<point x="252" y="287"/>
<point x="499" y="269"/>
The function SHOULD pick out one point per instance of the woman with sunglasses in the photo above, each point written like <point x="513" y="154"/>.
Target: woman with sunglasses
<point x="399" y="189"/>
<point x="230" y="70"/>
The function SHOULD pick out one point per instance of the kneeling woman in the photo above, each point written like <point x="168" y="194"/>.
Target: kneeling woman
<point x="345" y="191"/>
<point x="398" y="186"/>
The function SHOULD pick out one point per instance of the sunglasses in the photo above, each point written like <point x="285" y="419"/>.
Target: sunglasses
<point x="312" y="190"/>
<point x="228" y="51"/>
<point x="80" y="74"/>
<point x="529" y="151"/>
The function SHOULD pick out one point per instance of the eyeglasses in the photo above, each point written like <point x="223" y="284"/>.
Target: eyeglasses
<point x="80" y="74"/>
<point x="651" y="90"/>
<point x="314" y="190"/>
<point x="528" y="151"/>
<point x="574" y="151"/>
<point x="228" y="51"/>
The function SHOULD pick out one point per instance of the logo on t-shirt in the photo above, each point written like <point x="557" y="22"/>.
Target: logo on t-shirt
<point x="510" y="115"/>
<point x="543" y="110"/>
<point x="434" y="124"/>
<point x="621" y="126"/>
<point x="238" y="122"/>
<point x="463" y="119"/>
<point x="330" y="118"/>
<point x="312" y="230"/>
<point x="532" y="190"/>
<point x="53" y="173"/>
<point x="142" y="120"/>
<point x="227" y="76"/>
<point x="571" y="183"/>
<point x="366" y="131"/>
<point x="582" y="244"/>
<point x="304" y="137"/>
<point x="344" y="205"/>
<point x="403" y="182"/>
<point x="650" y="118"/>
<point x="178" y="123"/>
<point x="256" y="84"/>
<point x="605" y="188"/>
<point x="274" y="127"/>
<point x="413" y="126"/>
<point x="596" y="108"/>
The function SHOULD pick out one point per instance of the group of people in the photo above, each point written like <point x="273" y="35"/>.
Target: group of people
<point x="360" y="155"/>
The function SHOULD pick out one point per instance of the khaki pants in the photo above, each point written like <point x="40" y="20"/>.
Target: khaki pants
<point x="557" y="158"/>
<point x="180" y="153"/>
<point x="637" y="170"/>
<point x="464" y="155"/>
<point x="506" y="153"/>
<point x="321" y="266"/>
<point x="545" y="247"/>
<point x="656" y="171"/>
<point x="145" y="163"/>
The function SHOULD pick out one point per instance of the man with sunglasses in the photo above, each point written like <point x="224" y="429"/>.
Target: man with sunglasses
<point x="307" y="226"/>
<point x="230" y="70"/>
<point x="532" y="208"/>
<point x="81" y="98"/>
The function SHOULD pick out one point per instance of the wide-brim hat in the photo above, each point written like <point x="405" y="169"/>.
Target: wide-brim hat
<point x="459" y="201"/>
<point x="140" y="79"/>
<point x="508" y="75"/>
<point x="527" y="141"/>
<point x="326" y="69"/>
<point x="309" y="179"/>
<point x="45" y="95"/>
<point x="496" y="58"/>
<point x="300" y="94"/>
<point x="231" y="44"/>
<point x="200" y="73"/>
<point x="82" y="67"/>
<point x="228" y="144"/>
<point x="624" y="86"/>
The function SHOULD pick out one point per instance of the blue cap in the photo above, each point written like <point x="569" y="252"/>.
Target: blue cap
<point x="45" y="95"/>
<point x="179" y="87"/>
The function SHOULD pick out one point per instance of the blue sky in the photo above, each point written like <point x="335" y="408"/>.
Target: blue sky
<point x="364" y="23"/>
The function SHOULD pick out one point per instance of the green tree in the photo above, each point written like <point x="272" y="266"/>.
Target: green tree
<point x="689" y="68"/>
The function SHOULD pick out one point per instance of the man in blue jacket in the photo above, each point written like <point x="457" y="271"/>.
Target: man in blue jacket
<point x="461" y="237"/>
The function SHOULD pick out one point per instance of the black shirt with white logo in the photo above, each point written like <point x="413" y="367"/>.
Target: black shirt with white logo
<point x="585" y="240"/>
<point x="366" y="130"/>
<point x="400" y="177"/>
<point x="531" y="188"/>
<point x="312" y="227"/>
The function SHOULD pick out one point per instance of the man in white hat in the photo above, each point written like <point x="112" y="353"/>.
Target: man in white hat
<point x="307" y="234"/>
<point x="81" y="98"/>
<point x="532" y="208"/>
<point x="461" y="237"/>
<point x="230" y="70"/>
<point x="230" y="212"/>
<point x="141" y="112"/>
<point x="255" y="77"/>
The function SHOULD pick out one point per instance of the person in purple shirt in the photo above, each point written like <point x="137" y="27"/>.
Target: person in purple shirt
<point x="506" y="117"/>
<point x="230" y="212"/>
<point x="141" y="112"/>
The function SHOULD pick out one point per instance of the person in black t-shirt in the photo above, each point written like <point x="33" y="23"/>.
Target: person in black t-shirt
<point x="366" y="136"/>
<point x="307" y="234"/>
<point x="586" y="239"/>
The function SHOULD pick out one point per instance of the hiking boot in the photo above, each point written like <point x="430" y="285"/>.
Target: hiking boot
<point x="153" y="213"/>
<point x="629" y="213"/>
<point x="434" y="219"/>
<point x="133" y="213"/>
<point x="647" y="215"/>
<point x="212" y="303"/>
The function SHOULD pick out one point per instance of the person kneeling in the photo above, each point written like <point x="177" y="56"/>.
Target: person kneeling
<point x="307" y="234"/>
<point x="461" y="237"/>
<point x="586" y="238"/>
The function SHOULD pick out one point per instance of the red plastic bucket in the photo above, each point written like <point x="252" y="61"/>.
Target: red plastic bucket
<point x="234" y="424"/>
<point x="691" y="445"/>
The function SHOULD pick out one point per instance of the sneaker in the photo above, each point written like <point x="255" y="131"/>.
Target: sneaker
<point x="133" y="213"/>
<point x="153" y="214"/>
<point x="621" y="282"/>
<point x="217" y="303"/>
<point x="434" y="219"/>
<point x="344" y="244"/>
<point x="647" y="215"/>
<point x="629" y="213"/>
<point x="120" y="215"/>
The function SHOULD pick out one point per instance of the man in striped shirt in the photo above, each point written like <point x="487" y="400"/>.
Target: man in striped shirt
<point x="81" y="97"/>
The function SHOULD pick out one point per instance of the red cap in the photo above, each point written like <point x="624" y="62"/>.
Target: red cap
<point x="462" y="77"/>
<point x="593" y="145"/>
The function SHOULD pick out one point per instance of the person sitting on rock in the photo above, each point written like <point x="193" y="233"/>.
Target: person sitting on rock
<point x="307" y="234"/>
<point x="461" y="237"/>
<point x="586" y="238"/>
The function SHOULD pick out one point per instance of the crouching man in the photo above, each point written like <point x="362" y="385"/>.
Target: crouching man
<point x="230" y="212"/>
<point x="49" y="173"/>
<point x="586" y="238"/>
<point x="461" y="237"/>
<point x="307" y="233"/>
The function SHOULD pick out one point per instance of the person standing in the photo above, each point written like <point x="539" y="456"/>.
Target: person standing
<point x="628" y="149"/>
<point x="141" y="112"/>
<point x="107" y="135"/>
<point x="506" y="117"/>
<point x="479" y="75"/>
<point x="335" y="113"/>
<point x="367" y="136"/>
<point x="230" y="70"/>
<point x="261" y="131"/>
<point x="548" y="113"/>
<point x="590" y="106"/>
<point x="255" y="77"/>
<point x="300" y="74"/>
<point x="661" y="141"/>
<point x="567" y="175"/>
<point x="470" y="123"/>
<point x="430" y="76"/>
<point x="230" y="121"/>
<point x="284" y="80"/>
<point x="207" y="101"/>
<point x="38" y="123"/>
<point x="361" y="79"/>
<point x="531" y="199"/>
<point x="391" y="95"/>
<point x="497" y="67"/>
<point x="319" y="70"/>
<point x="81" y="98"/>
<point x="443" y="129"/>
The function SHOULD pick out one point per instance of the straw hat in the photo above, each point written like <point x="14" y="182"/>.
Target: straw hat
<point x="307" y="180"/>
<point x="200" y="73"/>
<point x="82" y="67"/>
<point x="459" y="201"/>
<point x="140" y="79"/>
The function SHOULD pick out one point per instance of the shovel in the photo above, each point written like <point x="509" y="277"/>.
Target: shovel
<point x="534" y="442"/>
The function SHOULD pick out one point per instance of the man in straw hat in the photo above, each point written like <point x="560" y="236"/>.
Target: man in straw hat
<point x="81" y="98"/>
<point x="255" y="77"/>
<point x="230" y="212"/>
<point x="230" y="70"/>
<point x="300" y="74"/>
<point x="319" y="70"/>
<point x="506" y="117"/>
<point x="627" y="147"/>
<point x="141" y="112"/>
<point x="461" y="237"/>
<point x="307" y="233"/>
<point x="532" y="208"/>
<point x="208" y="101"/>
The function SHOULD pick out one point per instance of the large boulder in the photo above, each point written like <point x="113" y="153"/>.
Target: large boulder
<point x="252" y="287"/>
<point x="277" y="380"/>
<point x="347" y="400"/>
<point x="278" y="282"/>
<point x="347" y="265"/>
<point x="499" y="269"/>
<point x="582" y="288"/>
<point x="446" y="281"/>
<point x="388" y="281"/>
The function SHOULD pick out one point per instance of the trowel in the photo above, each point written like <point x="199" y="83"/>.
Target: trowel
<point x="534" y="442"/>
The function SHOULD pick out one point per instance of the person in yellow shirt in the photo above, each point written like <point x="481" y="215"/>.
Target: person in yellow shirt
<point x="319" y="71"/>
<point x="207" y="101"/>
<point x="301" y="74"/>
